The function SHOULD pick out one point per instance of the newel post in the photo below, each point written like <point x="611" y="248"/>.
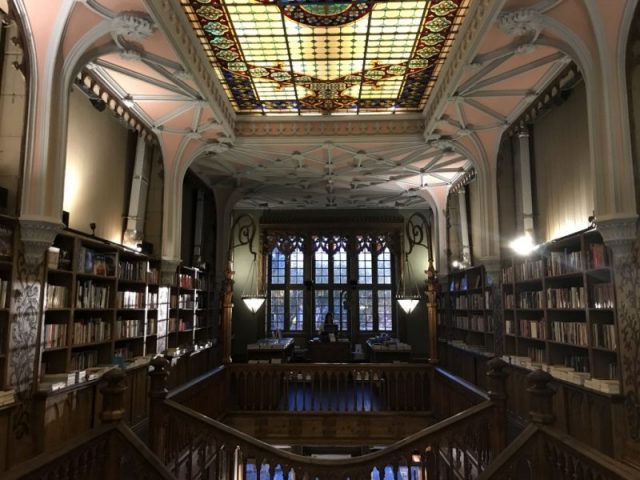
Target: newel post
<point x="157" y="394"/>
<point x="497" y="383"/>
<point x="113" y="396"/>
<point x="540" y="398"/>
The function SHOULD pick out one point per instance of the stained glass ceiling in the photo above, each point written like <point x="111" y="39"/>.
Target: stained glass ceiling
<point x="320" y="57"/>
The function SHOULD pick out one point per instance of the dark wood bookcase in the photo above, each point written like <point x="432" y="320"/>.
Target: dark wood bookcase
<point x="465" y="315"/>
<point x="559" y="310"/>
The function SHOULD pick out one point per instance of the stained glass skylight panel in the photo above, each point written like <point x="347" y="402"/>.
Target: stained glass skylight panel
<point x="321" y="56"/>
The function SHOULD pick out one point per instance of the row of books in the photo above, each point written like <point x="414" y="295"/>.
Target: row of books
<point x="129" y="328"/>
<point x="597" y="256"/>
<point x="532" y="300"/>
<point x="4" y="293"/>
<point x="96" y="263"/>
<point x="83" y="360"/>
<point x="7" y="397"/>
<point x="184" y="301"/>
<point x="152" y="300"/>
<point x="574" y="333"/>
<point x="180" y="325"/>
<point x="570" y="297"/>
<point x="604" y="336"/>
<point x="92" y="295"/>
<point x="135" y="271"/>
<point x="130" y="299"/>
<point x="561" y="263"/>
<point x="91" y="330"/>
<point x="477" y="323"/>
<point x="185" y="280"/>
<point x="152" y="326"/>
<point x="536" y="354"/>
<point x="479" y="301"/>
<point x="153" y="276"/>
<point x="507" y="274"/>
<point x="529" y="270"/>
<point x="602" y="295"/>
<point x="54" y="335"/>
<point x="533" y="329"/>
<point x="57" y="296"/>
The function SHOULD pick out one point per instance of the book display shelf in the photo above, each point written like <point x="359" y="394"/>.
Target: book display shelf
<point x="559" y="311"/>
<point x="189" y="319"/>
<point x="465" y="315"/>
<point x="100" y="309"/>
<point x="7" y="249"/>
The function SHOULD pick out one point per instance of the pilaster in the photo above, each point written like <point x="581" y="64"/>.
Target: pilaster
<point x="168" y="267"/>
<point x="621" y="235"/>
<point x="37" y="236"/>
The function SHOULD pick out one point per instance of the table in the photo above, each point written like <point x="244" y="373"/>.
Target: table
<point x="389" y="352"/>
<point x="270" y="350"/>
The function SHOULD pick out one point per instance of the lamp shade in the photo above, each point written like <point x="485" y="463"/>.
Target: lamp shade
<point x="408" y="304"/>
<point x="253" y="302"/>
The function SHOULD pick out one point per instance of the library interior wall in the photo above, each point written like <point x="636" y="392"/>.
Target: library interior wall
<point x="98" y="160"/>
<point x="506" y="195"/>
<point x="561" y="165"/>
<point x="13" y="101"/>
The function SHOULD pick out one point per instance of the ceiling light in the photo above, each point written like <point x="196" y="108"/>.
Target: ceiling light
<point x="523" y="245"/>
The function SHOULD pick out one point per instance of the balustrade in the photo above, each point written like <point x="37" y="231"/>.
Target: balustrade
<point x="335" y="388"/>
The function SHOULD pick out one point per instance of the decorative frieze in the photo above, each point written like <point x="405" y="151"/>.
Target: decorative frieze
<point x="278" y="128"/>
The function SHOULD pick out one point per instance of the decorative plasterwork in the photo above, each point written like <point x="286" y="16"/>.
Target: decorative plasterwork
<point x="526" y="22"/>
<point x="619" y="234"/>
<point x="37" y="236"/>
<point x="332" y="128"/>
<point x="170" y="18"/>
<point x="134" y="26"/>
<point x="482" y="14"/>
<point x="168" y="267"/>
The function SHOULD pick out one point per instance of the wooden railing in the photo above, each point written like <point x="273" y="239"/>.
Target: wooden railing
<point x="330" y="388"/>
<point x="196" y="446"/>
<point x="109" y="452"/>
<point x="542" y="452"/>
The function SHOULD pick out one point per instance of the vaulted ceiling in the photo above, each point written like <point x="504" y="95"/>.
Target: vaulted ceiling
<point x="307" y="103"/>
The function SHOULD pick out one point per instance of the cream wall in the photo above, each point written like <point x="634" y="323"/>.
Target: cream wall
<point x="12" y="106"/>
<point x="97" y="170"/>
<point x="563" y="186"/>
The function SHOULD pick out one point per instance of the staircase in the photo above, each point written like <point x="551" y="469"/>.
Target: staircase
<point x="465" y="437"/>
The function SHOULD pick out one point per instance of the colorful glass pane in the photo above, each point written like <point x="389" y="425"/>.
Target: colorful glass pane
<point x="316" y="57"/>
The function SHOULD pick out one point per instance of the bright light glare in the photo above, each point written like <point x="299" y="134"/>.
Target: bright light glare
<point x="523" y="245"/>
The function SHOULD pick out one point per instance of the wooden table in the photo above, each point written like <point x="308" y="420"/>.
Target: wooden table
<point x="389" y="352"/>
<point x="270" y="350"/>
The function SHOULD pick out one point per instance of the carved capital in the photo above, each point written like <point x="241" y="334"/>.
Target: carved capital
<point x="37" y="236"/>
<point x="168" y="267"/>
<point x="619" y="234"/>
<point x="133" y="26"/>
<point x="525" y="22"/>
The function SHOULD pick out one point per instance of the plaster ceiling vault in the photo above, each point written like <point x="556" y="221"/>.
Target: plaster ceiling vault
<point x="150" y="56"/>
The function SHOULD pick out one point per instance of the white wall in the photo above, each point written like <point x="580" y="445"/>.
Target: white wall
<point x="96" y="175"/>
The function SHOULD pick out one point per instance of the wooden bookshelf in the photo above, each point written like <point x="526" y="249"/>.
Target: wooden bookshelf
<point x="97" y="305"/>
<point x="465" y="314"/>
<point x="559" y="311"/>
<point x="189" y="321"/>
<point x="7" y="249"/>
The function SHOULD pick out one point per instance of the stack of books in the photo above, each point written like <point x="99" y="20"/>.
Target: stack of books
<point x="7" y="397"/>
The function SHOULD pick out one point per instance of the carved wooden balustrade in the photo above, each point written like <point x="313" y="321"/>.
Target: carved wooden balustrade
<point x="196" y="446"/>
<point x="109" y="452"/>
<point x="330" y="388"/>
<point x="542" y="452"/>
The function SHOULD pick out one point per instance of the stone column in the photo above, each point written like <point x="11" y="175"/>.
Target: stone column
<point x="622" y="237"/>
